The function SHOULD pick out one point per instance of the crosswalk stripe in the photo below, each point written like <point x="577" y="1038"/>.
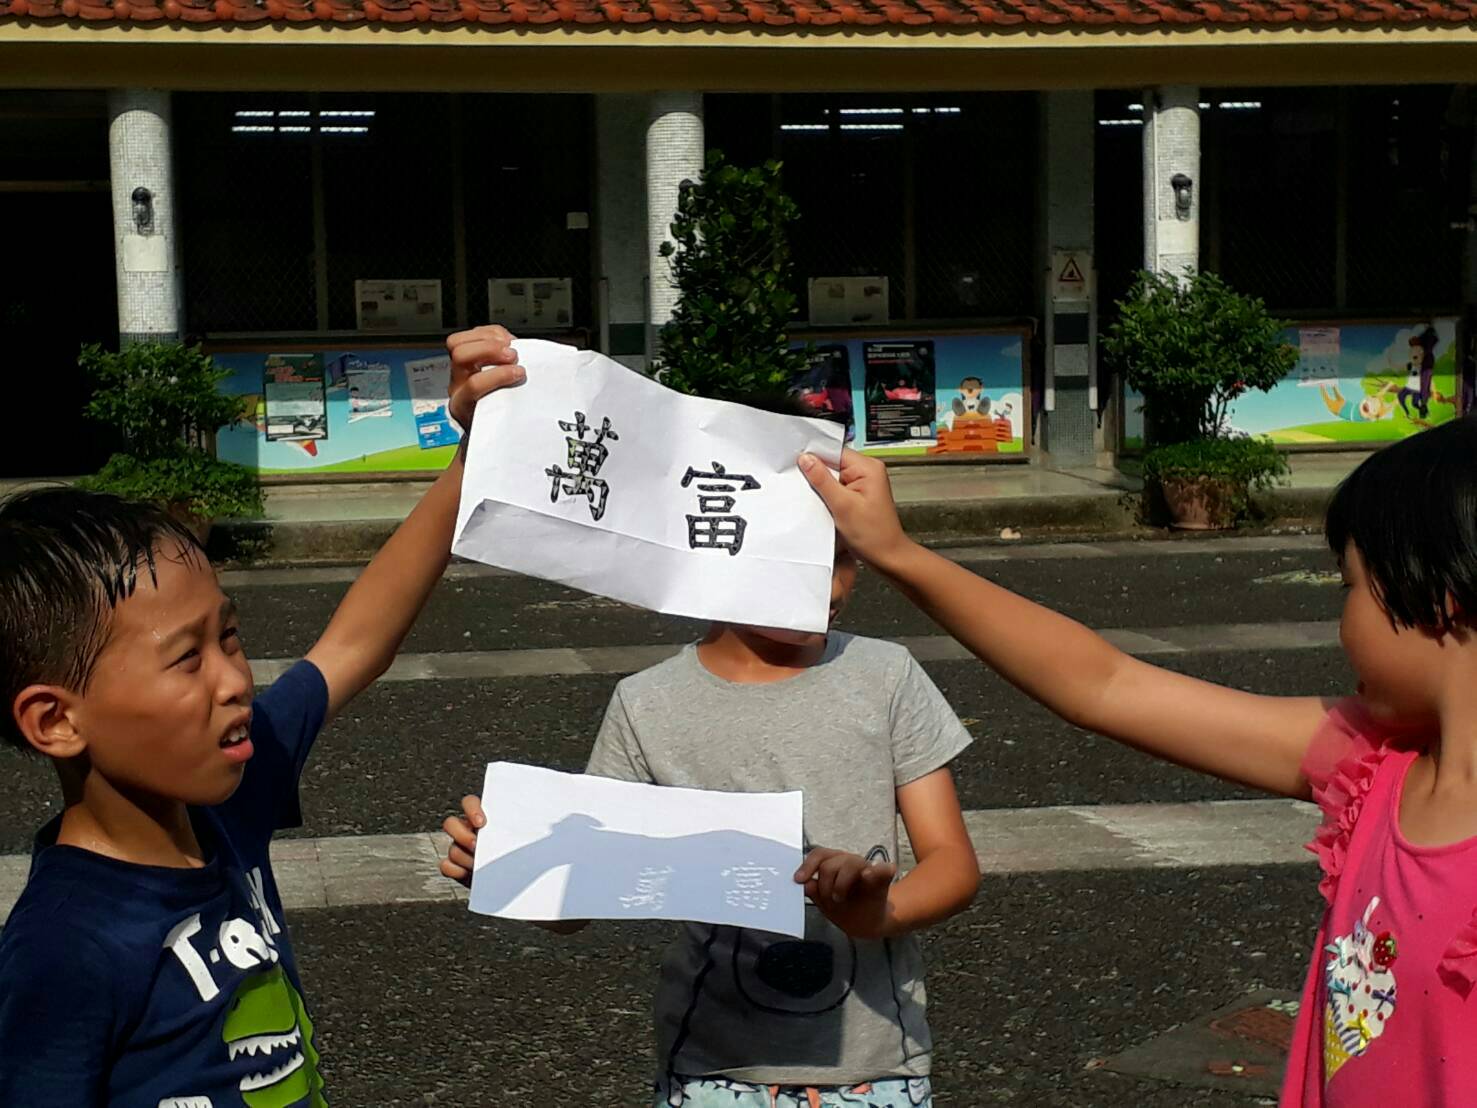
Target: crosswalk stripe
<point x="378" y="870"/>
<point x="572" y="662"/>
<point x="289" y="576"/>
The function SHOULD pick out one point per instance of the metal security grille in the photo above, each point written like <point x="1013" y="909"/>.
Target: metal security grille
<point x="1270" y="166"/>
<point x="1326" y="201"/>
<point x="937" y="193"/>
<point x="288" y="200"/>
<point x="530" y="193"/>
<point x="974" y="205"/>
<point x="1118" y="198"/>
<point x="388" y="197"/>
<point x="246" y="213"/>
<point x="1403" y="254"/>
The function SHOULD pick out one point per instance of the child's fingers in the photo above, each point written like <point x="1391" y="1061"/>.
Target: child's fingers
<point x="461" y="833"/>
<point x="462" y="859"/>
<point x="480" y="346"/>
<point x="490" y="380"/>
<point x="472" y="356"/>
<point x="472" y="806"/>
<point x="455" y="872"/>
<point x="464" y="397"/>
<point x="878" y="875"/>
<point x="848" y="877"/>
<point x="856" y="467"/>
<point x="812" y="862"/>
<point x="831" y="869"/>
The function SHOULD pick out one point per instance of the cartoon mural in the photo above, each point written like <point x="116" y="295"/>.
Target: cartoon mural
<point x="379" y="409"/>
<point x="1355" y="383"/>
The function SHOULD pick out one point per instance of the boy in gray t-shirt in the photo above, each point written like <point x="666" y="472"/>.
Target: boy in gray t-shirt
<point x="746" y="1017"/>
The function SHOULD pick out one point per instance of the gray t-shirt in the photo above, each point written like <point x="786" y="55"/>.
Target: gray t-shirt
<point x="848" y="732"/>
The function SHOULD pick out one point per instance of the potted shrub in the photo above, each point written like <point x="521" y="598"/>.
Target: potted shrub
<point x="162" y="402"/>
<point x="1191" y="347"/>
<point x="728" y="337"/>
<point x="1207" y="483"/>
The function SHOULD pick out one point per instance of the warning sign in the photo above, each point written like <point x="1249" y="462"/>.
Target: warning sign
<point x="1071" y="276"/>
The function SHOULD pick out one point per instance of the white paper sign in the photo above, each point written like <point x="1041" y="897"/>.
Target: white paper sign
<point x="564" y="846"/>
<point x="598" y="477"/>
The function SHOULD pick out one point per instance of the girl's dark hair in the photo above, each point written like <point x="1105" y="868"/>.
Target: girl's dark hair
<point x="1411" y="512"/>
<point x="67" y="559"/>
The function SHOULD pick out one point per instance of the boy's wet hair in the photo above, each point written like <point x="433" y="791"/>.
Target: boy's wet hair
<point x="67" y="559"/>
<point x="1411" y="512"/>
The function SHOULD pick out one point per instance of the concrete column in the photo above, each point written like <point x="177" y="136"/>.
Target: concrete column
<point x="145" y="244"/>
<point x="1072" y="437"/>
<point x="674" y="153"/>
<point x="1172" y="180"/>
<point x="620" y="217"/>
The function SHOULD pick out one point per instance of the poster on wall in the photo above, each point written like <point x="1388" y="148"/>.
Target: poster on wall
<point x="295" y="404"/>
<point x="370" y="425"/>
<point x="981" y="395"/>
<point x="385" y="409"/>
<point x="429" y="380"/>
<point x="398" y="305"/>
<point x="824" y="385"/>
<point x="531" y="303"/>
<point x="847" y="301"/>
<point x="1355" y="383"/>
<point x="369" y="390"/>
<point x="899" y="390"/>
<point x="977" y="400"/>
<point x="1318" y="355"/>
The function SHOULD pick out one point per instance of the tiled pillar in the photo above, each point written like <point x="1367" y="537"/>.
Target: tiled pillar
<point x="674" y="153"/>
<point x="1071" y="435"/>
<point x="144" y="239"/>
<point x="620" y="215"/>
<point x="1172" y="180"/>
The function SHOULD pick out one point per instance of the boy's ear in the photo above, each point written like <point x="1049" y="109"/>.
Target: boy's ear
<point x="43" y="713"/>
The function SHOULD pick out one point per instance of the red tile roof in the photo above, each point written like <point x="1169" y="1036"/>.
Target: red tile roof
<point x="939" y="14"/>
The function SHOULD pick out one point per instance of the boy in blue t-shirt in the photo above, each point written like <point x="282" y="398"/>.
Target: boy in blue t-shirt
<point x="147" y="963"/>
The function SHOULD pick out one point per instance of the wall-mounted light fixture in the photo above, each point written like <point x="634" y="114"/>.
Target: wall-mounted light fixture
<point x="1184" y="195"/>
<point x="143" y="210"/>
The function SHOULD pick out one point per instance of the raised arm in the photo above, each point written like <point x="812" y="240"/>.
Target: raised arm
<point x="1253" y="740"/>
<point x="366" y="631"/>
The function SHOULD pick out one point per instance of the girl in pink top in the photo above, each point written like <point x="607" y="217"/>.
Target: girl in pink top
<point x="1387" y="1018"/>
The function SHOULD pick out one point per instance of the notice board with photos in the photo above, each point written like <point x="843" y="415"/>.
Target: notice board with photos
<point x="355" y="406"/>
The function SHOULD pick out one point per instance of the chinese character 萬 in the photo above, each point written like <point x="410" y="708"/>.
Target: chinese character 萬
<point x="585" y="460"/>
<point x="749" y="887"/>
<point x="716" y="528"/>
<point x="651" y="890"/>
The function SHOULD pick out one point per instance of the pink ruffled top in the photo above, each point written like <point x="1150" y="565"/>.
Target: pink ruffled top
<point x="1385" y="1019"/>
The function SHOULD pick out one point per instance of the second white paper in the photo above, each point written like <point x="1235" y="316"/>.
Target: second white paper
<point x="562" y="846"/>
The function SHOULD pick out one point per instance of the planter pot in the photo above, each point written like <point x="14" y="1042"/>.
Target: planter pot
<point x="1200" y="503"/>
<point x="199" y="526"/>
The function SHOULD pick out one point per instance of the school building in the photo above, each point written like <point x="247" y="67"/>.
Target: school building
<point x="318" y="190"/>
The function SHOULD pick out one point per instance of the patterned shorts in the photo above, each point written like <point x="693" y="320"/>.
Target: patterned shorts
<point x="721" y="1092"/>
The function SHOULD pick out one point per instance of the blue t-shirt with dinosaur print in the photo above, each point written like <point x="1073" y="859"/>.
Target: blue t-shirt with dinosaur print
<point x="152" y="987"/>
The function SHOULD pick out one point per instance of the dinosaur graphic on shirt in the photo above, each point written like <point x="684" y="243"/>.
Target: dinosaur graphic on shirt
<point x="267" y="1021"/>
